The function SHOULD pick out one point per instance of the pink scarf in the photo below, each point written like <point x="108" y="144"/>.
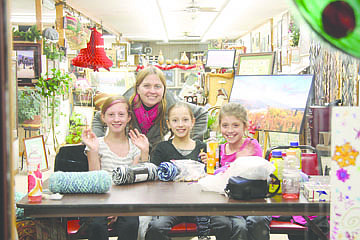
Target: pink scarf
<point x="145" y="118"/>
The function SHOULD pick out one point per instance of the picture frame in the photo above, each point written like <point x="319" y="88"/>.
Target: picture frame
<point x="279" y="35"/>
<point x="279" y="61"/>
<point x="35" y="148"/>
<point x="170" y="78"/>
<point x="121" y="52"/>
<point x="256" y="63"/>
<point x="28" y="62"/>
<point x="111" y="54"/>
<point x="255" y="42"/>
<point x="295" y="55"/>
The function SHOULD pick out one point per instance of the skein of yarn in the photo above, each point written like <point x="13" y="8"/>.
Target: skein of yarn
<point x="132" y="174"/>
<point x="80" y="182"/>
<point x="167" y="171"/>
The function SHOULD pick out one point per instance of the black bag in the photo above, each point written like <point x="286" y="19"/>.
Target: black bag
<point x="71" y="158"/>
<point x="244" y="189"/>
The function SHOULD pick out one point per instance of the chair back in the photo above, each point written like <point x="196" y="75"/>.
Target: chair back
<point x="310" y="162"/>
<point x="71" y="158"/>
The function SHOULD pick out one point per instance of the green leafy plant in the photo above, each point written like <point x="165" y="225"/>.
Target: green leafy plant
<point x="76" y="128"/>
<point x="52" y="51"/>
<point x="29" y="102"/>
<point x="31" y="34"/>
<point x="50" y="86"/>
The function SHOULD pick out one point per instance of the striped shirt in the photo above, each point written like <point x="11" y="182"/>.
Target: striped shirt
<point x="110" y="161"/>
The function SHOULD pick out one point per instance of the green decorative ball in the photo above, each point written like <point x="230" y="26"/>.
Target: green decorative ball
<point x="338" y="22"/>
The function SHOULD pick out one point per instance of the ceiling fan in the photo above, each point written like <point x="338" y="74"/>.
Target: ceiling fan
<point x="188" y="35"/>
<point x="194" y="8"/>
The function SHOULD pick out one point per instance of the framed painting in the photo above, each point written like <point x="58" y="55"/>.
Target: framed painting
<point x="35" y="149"/>
<point x="170" y="78"/>
<point x="120" y="52"/>
<point x="256" y="63"/>
<point x="28" y="62"/>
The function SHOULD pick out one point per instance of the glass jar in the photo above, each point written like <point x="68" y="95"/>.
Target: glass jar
<point x="291" y="183"/>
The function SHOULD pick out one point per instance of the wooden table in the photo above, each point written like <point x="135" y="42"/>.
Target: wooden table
<point x="167" y="199"/>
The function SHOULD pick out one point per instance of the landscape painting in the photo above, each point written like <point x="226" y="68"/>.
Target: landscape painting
<point x="274" y="102"/>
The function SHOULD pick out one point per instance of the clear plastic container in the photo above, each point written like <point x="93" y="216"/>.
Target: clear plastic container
<point x="295" y="147"/>
<point x="291" y="160"/>
<point x="291" y="184"/>
<point x="291" y="181"/>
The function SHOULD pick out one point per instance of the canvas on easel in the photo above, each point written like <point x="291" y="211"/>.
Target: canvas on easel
<point x="275" y="103"/>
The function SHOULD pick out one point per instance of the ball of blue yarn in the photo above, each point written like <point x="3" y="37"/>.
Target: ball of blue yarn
<point x="130" y="174"/>
<point x="80" y="182"/>
<point x="167" y="171"/>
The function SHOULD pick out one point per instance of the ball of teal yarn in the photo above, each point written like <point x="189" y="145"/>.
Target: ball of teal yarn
<point x="80" y="182"/>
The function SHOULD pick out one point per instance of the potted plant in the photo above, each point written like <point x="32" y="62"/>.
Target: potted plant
<point x="29" y="102"/>
<point x="76" y="128"/>
<point x="31" y="34"/>
<point x="50" y="86"/>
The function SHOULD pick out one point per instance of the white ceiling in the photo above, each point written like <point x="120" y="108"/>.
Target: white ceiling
<point x="169" y="20"/>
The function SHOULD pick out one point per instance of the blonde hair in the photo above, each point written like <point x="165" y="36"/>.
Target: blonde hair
<point x="179" y="105"/>
<point x="236" y="110"/>
<point x="162" y="106"/>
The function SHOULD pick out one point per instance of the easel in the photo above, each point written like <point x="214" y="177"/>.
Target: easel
<point x="266" y="139"/>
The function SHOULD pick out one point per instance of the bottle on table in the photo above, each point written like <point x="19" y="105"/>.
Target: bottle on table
<point x="278" y="162"/>
<point x="34" y="179"/>
<point x="291" y="176"/>
<point x="212" y="153"/>
<point x="294" y="146"/>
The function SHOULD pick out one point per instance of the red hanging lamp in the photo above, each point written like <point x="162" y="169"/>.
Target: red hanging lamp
<point x="93" y="56"/>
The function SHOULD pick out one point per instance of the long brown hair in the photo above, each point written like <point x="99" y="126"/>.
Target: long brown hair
<point x="162" y="106"/>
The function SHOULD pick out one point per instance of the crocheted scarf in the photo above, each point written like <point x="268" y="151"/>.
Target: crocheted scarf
<point x="145" y="118"/>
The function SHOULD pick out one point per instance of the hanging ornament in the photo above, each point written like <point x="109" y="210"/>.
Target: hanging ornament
<point x="161" y="58"/>
<point x="335" y="21"/>
<point x="93" y="56"/>
<point x="184" y="59"/>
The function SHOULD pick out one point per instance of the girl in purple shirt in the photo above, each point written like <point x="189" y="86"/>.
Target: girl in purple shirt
<point x="233" y="123"/>
<point x="249" y="147"/>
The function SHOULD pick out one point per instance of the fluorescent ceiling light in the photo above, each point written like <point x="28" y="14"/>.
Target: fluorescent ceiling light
<point x="31" y="18"/>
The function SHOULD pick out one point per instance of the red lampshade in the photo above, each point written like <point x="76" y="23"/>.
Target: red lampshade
<point x="93" y="56"/>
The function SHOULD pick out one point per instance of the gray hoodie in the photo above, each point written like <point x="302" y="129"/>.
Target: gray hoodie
<point x="153" y="135"/>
